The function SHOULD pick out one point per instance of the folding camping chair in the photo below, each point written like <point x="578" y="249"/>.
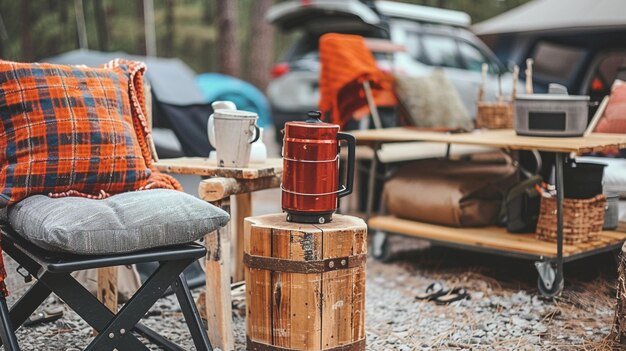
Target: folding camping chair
<point x="52" y="271"/>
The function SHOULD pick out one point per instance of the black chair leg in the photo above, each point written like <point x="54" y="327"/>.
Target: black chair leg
<point x="157" y="338"/>
<point x="7" y="333"/>
<point x="138" y="305"/>
<point x="87" y="306"/>
<point x="27" y="304"/>
<point x="192" y="317"/>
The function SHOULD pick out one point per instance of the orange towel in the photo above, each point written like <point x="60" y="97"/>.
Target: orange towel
<point x="346" y="64"/>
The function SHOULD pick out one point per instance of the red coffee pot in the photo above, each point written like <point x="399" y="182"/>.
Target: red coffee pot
<point x="311" y="169"/>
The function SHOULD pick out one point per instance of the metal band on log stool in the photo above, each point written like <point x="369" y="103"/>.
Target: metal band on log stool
<point x="307" y="267"/>
<point x="257" y="346"/>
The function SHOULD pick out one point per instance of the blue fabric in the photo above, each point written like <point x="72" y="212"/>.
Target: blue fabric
<point x="247" y="97"/>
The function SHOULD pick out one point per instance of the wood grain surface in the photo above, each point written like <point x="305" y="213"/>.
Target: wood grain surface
<point x="208" y="167"/>
<point x="503" y="138"/>
<point x="490" y="237"/>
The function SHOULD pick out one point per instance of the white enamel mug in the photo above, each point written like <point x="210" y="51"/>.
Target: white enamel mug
<point x="217" y="105"/>
<point x="233" y="132"/>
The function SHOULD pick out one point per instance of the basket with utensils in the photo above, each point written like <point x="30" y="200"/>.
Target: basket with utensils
<point x="495" y="114"/>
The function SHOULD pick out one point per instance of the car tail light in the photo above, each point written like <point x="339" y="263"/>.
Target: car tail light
<point x="279" y="69"/>
<point x="597" y="85"/>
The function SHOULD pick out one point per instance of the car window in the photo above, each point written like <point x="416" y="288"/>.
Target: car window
<point x="414" y="46"/>
<point x="556" y="62"/>
<point x="612" y="67"/>
<point x="474" y="58"/>
<point x="441" y="50"/>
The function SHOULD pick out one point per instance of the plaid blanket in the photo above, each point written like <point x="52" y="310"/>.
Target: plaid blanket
<point x="346" y="64"/>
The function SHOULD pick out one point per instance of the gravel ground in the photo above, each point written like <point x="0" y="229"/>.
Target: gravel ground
<point x="505" y="311"/>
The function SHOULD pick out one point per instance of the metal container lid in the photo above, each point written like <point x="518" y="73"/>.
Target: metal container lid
<point x="556" y="92"/>
<point x="552" y="97"/>
<point x="312" y="121"/>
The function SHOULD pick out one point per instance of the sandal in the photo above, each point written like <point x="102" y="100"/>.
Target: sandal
<point x="432" y="292"/>
<point x="455" y="294"/>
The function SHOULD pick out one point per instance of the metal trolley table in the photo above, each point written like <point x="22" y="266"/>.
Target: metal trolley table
<point x="548" y="257"/>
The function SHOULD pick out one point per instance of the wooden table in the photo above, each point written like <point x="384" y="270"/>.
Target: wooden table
<point x="500" y="138"/>
<point x="496" y="240"/>
<point x="225" y="182"/>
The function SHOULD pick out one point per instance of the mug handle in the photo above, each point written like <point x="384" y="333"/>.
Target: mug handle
<point x="211" y="131"/>
<point x="257" y="134"/>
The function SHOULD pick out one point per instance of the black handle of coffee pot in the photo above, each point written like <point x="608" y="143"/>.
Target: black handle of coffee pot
<point x="351" y="162"/>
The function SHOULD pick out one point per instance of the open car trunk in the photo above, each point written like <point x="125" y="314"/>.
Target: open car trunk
<point x="317" y="16"/>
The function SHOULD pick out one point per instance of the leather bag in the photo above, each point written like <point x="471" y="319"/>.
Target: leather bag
<point x="453" y="193"/>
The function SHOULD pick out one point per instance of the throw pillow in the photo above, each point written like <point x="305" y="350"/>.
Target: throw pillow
<point x="433" y="102"/>
<point x="614" y="118"/>
<point x="125" y="222"/>
<point x="68" y="130"/>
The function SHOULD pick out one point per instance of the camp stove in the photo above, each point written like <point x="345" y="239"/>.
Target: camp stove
<point x="310" y="185"/>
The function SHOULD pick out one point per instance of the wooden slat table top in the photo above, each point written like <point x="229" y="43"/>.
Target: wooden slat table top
<point x="503" y="138"/>
<point x="490" y="237"/>
<point x="208" y="167"/>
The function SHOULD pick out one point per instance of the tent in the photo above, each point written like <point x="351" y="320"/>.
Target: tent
<point x="557" y="16"/>
<point x="567" y="38"/>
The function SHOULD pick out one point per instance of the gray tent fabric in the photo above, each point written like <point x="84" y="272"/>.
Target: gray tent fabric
<point x="171" y="79"/>
<point x="557" y="15"/>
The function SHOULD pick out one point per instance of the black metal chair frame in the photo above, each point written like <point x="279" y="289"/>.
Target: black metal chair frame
<point x="115" y="331"/>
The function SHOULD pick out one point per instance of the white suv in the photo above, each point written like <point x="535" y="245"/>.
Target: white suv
<point x="432" y="37"/>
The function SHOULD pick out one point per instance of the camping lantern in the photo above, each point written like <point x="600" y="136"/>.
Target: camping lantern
<point x="311" y="169"/>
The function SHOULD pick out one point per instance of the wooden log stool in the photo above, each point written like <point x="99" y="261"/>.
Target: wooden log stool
<point x="305" y="284"/>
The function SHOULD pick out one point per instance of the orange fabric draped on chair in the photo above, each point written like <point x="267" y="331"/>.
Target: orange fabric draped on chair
<point x="346" y="64"/>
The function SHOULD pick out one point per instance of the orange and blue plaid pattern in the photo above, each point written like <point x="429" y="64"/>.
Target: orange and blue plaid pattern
<point x="67" y="129"/>
<point x="74" y="131"/>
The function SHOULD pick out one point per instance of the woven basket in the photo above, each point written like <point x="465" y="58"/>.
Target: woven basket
<point x="582" y="219"/>
<point x="494" y="115"/>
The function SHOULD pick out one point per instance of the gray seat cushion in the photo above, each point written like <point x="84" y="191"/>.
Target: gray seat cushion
<point x="121" y="223"/>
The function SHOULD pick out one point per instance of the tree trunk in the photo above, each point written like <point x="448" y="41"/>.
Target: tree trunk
<point x="208" y="12"/>
<point x="169" y="28"/>
<point x="228" y="38"/>
<point x="262" y="45"/>
<point x="101" y="25"/>
<point x="141" y="33"/>
<point x="618" y="333"/>
<point x="26" y="29"/>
